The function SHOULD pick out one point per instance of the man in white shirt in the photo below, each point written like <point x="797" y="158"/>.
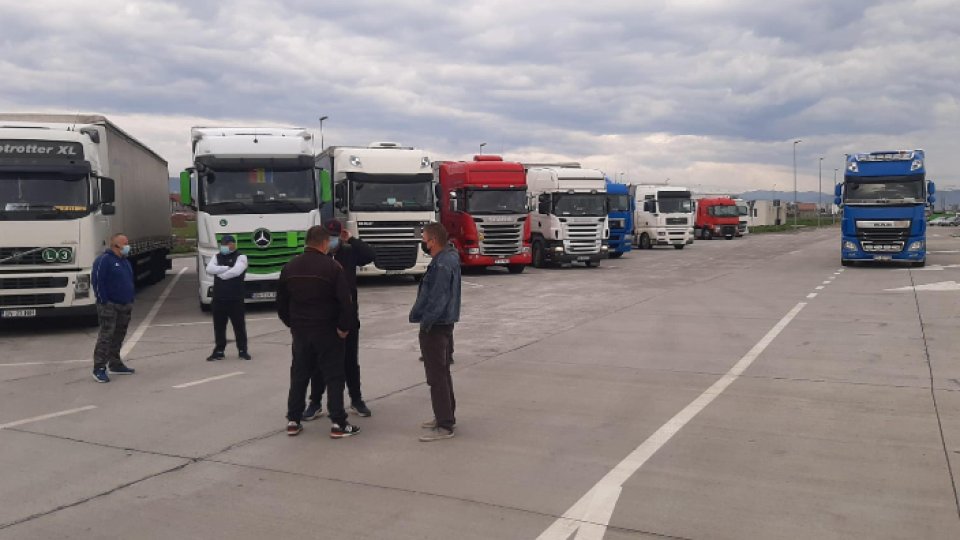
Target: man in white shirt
<point x="229" y="269"/>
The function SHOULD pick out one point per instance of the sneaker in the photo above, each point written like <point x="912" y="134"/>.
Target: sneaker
<point x="312" y="411"/>
<point x="217" y="355"/>
<point x="436" y="434"/>
<point x="245" y="356"/>
<point x="294" y="428"/>
<point x="122" y="370"/>
<point x="346" y="430"/>
<point x="421" y="359"/>
<point x="432" y="424"/>
<point x="360" y="408"/>
<point x="100" y="375"/>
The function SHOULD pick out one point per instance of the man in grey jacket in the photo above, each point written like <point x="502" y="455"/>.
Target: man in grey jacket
<point x="437" y="309"/>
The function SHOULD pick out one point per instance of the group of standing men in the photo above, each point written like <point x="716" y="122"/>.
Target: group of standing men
<point x="317" y="299"/>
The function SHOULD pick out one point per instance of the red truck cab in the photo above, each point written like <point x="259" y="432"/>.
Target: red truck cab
<point x="717" y="217"/>
<point x="483" y="207"/>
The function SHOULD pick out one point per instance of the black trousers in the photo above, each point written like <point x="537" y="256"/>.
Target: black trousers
<point x="312" y="350"/>
<point x="234" y="311"/>
<point x="436" y="345"/>
<point x="351" y="365"/>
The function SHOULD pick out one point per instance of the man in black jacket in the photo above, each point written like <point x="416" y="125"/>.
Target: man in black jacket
<point x="314" y="301"/>
<point x="229" y="269"/>
<point x="350" y="253"/>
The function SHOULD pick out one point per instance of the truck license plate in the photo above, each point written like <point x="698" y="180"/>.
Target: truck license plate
<point x="502" y="261"/>
<point x="394" y="272"/>
<point x="18" y="313"/>
<point x="883" y="257"/>
<point x="269" y="295"/>
<point x="583" y="258"/>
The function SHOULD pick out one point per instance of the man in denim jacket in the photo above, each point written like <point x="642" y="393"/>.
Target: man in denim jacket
<point x="437" y="309"/>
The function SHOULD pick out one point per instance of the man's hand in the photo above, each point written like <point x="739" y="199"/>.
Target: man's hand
<point x="344" y="235"/>
<point x="342" y="334"/>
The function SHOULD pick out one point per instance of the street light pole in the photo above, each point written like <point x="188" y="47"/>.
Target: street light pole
<point x="322" y="118"/>
<point x="481" y="147"/>
<point x="796" y="209"/>
<point x="833" y="214"/>
<point x="819" y="189"/>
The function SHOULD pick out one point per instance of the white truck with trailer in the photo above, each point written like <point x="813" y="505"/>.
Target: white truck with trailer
<point x="568" y="223"/>
<point x="67" y="184"/>
<point x="664" y="216"/>
<point x="258" y="185"/>
<point x="384" y="193"/>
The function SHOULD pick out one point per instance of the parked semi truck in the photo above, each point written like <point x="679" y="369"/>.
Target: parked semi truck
<point x="385" y="194"/>
<point x="483" y="207"/>
<point x="569" y="220"/>
<point x="884" y="197"/>
<point x="664" y="216"/>
<point x="67" y="184"/>
<point x="717" y="216"/>
<point x="743" y="210"/>
<point x="620" y="210"/>
<point x="259" y="186"/>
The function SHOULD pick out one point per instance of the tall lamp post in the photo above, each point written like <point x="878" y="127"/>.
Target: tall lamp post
<point x="833" y="214"/>
<point x="322" y="118"/>
<point x="796" y="209"/>
<point x="481" y="147"/>
<point x="819" y="189"/>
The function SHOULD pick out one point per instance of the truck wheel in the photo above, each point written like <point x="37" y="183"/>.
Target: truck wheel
<point x="728" y="237"/>
<point x="538" y="254"/>
<point x="206" y="308"/>
<point x="615" y="254"/>
<point x="679" y="246"/>
<point x="706" y="234"/>
<point x="645" y="242"/>
<point x="516" y="268"/>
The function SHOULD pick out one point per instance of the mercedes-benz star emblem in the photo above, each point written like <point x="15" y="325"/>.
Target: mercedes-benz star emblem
<point x="262" y="238"/>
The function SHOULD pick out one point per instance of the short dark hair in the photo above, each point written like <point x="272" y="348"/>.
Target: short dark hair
<point x="436" y="232"/>
<point x="317" y="235"/>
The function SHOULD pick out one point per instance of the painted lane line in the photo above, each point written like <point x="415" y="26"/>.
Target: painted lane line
<point x="196" y="323"/>
<point x="209" y="379"/>
<point x="812" y="295"/>
<point x="145" y="323"/>
<point x="46" y="416"/>
<point x="52" y="362"/>
<point x="826" y="282"/>
<point x="590" y="516"/>
<point x="820" y="287"/>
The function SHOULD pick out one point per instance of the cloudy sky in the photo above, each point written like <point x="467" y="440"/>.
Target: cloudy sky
<point x="707" y="93"/>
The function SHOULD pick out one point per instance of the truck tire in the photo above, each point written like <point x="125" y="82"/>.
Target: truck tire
<point x="706" y="234"/>
<point x="728" y="237"/>
<point x="615" y="254"/>
<point x="206" y="308"/>
<point x="516" y="268"/>
<point x="645" y="242"/>
<point x="538" y="254"/>
<point x="679" y="246"/>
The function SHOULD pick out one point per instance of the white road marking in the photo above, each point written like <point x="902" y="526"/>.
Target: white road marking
<point x="590" y="516"/>
<point x="826" y="282"/>
<point x="948" y="251"/>
<point x="471" y="284"/>
<point x="195" y="323"/>
<point x="52" y="362"/>
<point x="46" y="416"/>
<point x="209" y="379"/>
<point x="943" y="286"/>
<point x="145" y="323"/>
<point x="820" y="287"/>
<point x="812" y="295"/>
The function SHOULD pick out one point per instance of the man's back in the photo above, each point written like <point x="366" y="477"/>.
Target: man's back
<point x="313" y="293"/>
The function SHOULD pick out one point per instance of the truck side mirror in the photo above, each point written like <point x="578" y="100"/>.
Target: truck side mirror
<point x="339" y="196"/>
<point x="186" y="197"/>
<point x="838" y="190"/>
<point x="108" y="190"/>
<point x="931" y="188"/>
<point x="454" y="202"/>
<point x="838" y="201"/>
<point x="931" y="199"/>
<point x="543" y="203"/>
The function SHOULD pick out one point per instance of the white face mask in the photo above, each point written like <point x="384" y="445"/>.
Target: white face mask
<point x="334" y="243"/>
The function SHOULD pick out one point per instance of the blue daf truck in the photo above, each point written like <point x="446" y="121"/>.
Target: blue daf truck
<point x="620" y="217"/>
<point x="884" y="197"/>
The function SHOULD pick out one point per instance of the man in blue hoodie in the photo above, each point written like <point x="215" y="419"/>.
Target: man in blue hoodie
<point x="113" y="285"/>
<point x="437" y="309"/>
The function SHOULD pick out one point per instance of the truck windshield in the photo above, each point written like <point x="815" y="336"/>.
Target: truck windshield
<point x="29" y="196"/>
<point x="580" y="204"/>
<point x="671" y="205"/>
<point x="743" y="210"/>
<point x="496" y="201"/>
<point x="618" y="203"/>
<point x="391" y="192"/>
<point x="724" y="211"/>
<point x="260" y="191"/>
<point x="880" y="189"/>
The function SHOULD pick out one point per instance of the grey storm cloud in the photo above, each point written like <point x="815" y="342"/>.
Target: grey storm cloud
<point x="708" y="91"/>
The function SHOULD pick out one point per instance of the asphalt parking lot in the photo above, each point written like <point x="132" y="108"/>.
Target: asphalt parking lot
<point x="751" y="388"/>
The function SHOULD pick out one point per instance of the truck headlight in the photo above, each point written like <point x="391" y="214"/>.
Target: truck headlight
<point x="661" y="233"/>
<point x="473" y="251"/>
<point x="81" y="288"/>
<point x="525" y="249"/>
<point x="558" y="249"/>
<point x="916" y="245"/>
<point x="604" y="248"/>
<point x="917" y="164"/>
<point x="849" y="246"/>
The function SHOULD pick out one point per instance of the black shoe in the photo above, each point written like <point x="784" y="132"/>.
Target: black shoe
<point x="360" y="408"/>
<point x="312" y="411"/>
<point x="294" y="428"/>
<point x="121" y="369"/>
<point x="245" y="356"/>
<point x="217" y="355"/>
<point x="346" y="430"/>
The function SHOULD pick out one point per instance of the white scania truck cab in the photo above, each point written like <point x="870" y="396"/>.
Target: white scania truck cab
<point x="385" y="193"/>
<point x="258" y="185"/>
<point x="664" y="216"/>
<point x="568" y="223"/>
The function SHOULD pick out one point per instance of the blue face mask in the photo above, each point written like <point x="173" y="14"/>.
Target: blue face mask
<point x="224" y="250"/>
<point x="125" y="250"/>
<point x="334" y="243"/>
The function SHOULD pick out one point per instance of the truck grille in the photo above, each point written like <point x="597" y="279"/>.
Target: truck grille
<point x="32" y="258"/>
<point x="585" y="238"/>
<point x="17" y="300"/>
<point x="33" y="283"/>
<point x="284" y="245"/>
<point x="883" y="235"/>
<point x="728" y="230"/>
<point x="501" y="239"/>
<point x="677" y="221"/>
<point x="395" y="243"/>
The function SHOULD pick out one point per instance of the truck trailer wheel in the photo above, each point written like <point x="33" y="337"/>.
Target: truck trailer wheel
<point x="516" y="268"/>
<point x="679" y="246"/>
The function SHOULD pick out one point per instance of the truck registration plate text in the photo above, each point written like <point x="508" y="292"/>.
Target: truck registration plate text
<point x="264" y="295"/>
<point x="18" y="313"/>
<point x="501" y="261"/>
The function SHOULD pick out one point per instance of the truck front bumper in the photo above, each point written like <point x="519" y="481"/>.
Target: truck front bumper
<point x="553" y="256"/>
<point x="914" y="250"/>
<point x="620" y="242"/>
<point x="477" y="260"/>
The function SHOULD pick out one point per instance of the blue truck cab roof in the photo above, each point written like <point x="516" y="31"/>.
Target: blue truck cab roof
<point x="886" y="163"/>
